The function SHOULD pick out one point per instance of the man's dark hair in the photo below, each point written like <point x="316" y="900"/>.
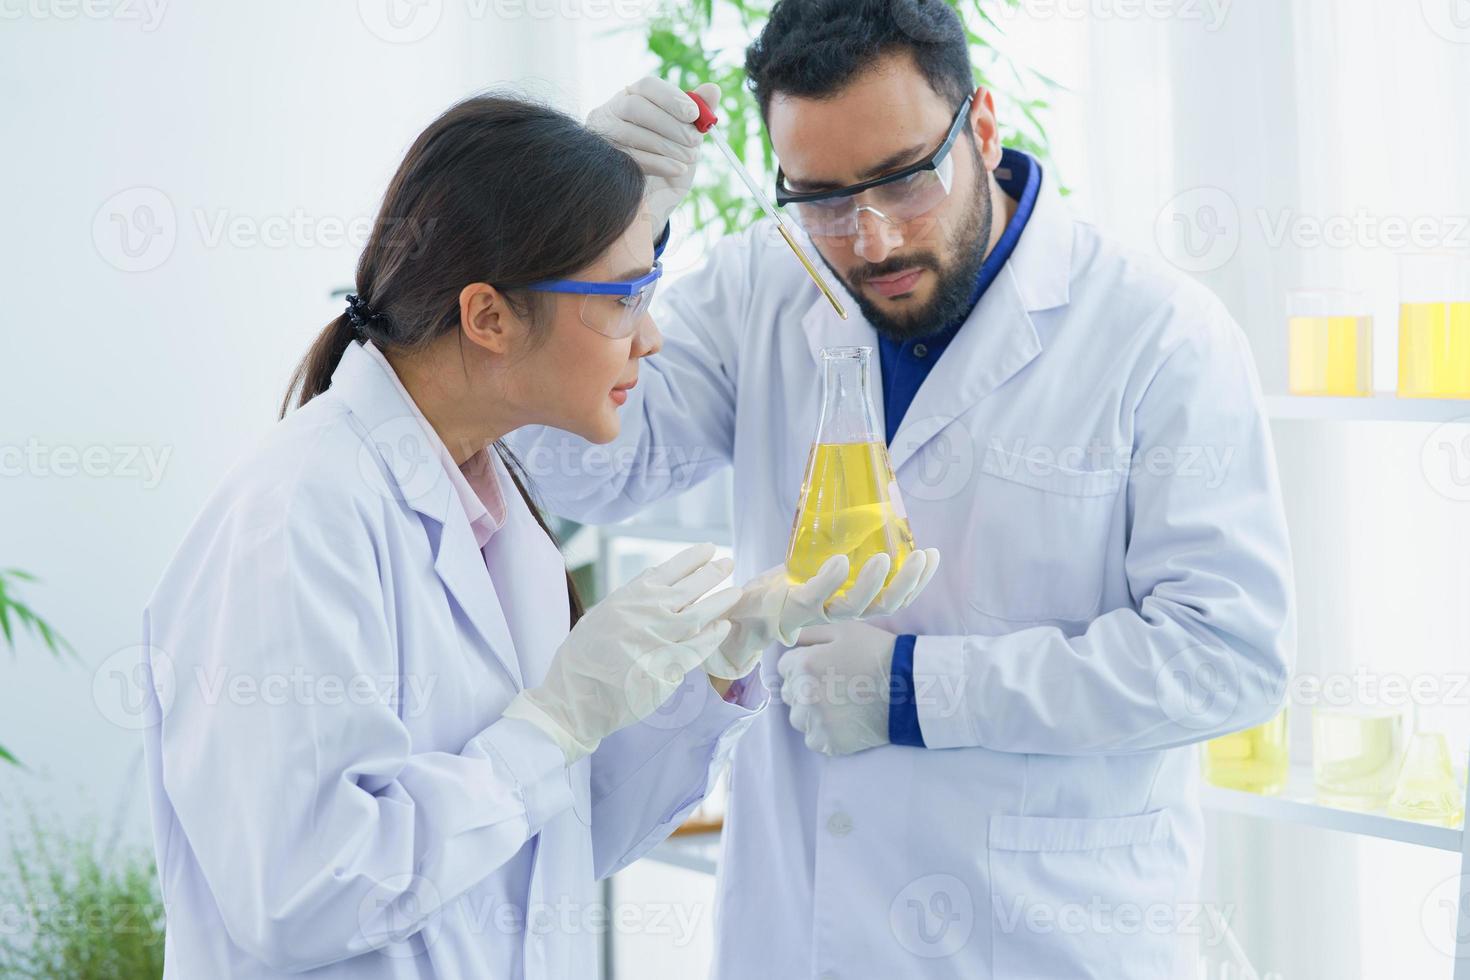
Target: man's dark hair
<point x="812" y="48"/>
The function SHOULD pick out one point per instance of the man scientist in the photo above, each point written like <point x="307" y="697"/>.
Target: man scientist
<point x="1020" y="796"/>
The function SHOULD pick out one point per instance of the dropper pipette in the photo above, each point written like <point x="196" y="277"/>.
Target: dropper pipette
<point x="705" y="124"/>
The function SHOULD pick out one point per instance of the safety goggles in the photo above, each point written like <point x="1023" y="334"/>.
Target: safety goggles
<point x="613" y="309"/>
<point x="896" y="198"/>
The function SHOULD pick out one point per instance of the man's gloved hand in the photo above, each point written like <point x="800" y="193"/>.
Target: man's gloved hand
<point x="771" y="609"/>
<point x="653" y="120"/>
<point x="836" y="685"/>
<point x="629" y="653"/>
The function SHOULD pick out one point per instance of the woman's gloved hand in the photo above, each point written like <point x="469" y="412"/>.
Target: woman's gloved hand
<point x="630" y="652"/>
<point x="653" y="121"/>
<point x="772" y="609"/>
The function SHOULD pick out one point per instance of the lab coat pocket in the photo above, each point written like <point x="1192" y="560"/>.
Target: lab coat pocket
<point x="1084" y="896"/>
<point x="1040" y="537"/>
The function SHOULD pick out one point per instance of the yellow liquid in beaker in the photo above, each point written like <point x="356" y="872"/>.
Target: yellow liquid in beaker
<point x="1254" y="760"/>
<point x="847" y="508"/>
<point x="1356" y="755"/>
<point x="1434" y="350"/>
<point x="1331" y="355"/>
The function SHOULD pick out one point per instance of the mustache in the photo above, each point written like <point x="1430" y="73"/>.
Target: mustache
<point x="894" y="264"/>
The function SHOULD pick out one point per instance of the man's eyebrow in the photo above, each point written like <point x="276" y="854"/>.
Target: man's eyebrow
<point x="893" y="161"/>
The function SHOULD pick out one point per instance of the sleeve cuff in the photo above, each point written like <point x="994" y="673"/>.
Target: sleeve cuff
<point x="942" y="664"/>
<point x="663" y="241"/>
<point x="903" y="706"/>
<point x="537" y="764"/>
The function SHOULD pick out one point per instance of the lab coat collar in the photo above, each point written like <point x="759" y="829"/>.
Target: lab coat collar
<point x="409" y="454"/>
<point x="996" y="341"/>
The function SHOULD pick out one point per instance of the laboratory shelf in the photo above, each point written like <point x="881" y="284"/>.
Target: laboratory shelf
<point x="1380" y="407"/>
<point x="1297" y="804"/>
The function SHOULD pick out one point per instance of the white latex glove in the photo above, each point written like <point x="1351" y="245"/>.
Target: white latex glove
<point x="836" y="685"/>
<point x="772" y="609"/>
<point x="653" y="120"/>
<point x="628" y="654"/>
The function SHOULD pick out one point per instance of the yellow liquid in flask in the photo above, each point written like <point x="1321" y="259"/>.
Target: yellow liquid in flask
<point x="849" y="506"/>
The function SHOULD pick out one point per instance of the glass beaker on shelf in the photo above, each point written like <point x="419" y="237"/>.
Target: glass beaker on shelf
<point x="850" y="504"/>
<point x="1357" y="751"/>
<point x="1434" y="325"/>
<point x="1330" y="338"/>
<point x="1254" y="760"/>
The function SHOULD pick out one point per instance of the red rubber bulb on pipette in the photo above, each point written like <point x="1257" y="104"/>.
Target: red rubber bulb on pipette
<point x="707" y="117"/>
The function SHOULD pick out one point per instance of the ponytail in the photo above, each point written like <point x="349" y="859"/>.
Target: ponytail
<point x="314" y="374"/>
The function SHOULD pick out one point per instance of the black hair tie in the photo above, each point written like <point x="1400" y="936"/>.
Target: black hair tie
<point x="361" y="316"/>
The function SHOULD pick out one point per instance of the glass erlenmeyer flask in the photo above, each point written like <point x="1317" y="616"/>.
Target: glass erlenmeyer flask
<point x="850" y="503"/>
<point x="1427" y="789"/>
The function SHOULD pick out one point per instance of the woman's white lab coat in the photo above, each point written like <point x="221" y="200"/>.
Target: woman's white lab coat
<point x="333" y="789"/>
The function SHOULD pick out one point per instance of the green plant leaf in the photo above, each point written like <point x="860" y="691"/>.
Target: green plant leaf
<point x="6" y="756"/>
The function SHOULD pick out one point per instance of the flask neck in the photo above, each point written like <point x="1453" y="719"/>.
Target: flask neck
<point x="847" y="401"/>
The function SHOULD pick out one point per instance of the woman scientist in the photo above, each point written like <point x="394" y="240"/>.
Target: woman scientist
<point x="384" y="739"/>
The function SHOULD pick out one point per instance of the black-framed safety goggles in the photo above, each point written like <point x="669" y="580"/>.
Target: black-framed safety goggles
<point x="897" y="197"/>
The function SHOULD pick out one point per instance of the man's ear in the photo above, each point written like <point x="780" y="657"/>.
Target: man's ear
<point x="984" y="128"/>
<point x="487" y="319"/>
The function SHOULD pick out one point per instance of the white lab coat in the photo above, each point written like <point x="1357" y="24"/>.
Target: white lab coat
<point x="1091" y="457"/>
<point x="333" y="789"/>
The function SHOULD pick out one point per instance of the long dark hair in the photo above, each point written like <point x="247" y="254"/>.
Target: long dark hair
<point x="496" y="190"/>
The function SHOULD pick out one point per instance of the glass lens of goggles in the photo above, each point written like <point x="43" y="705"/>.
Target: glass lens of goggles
<point x="613" y="309"/>
<point x="898" y="197"/>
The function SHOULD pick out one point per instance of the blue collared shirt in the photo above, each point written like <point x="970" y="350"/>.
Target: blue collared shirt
<point x="904" y="367"/>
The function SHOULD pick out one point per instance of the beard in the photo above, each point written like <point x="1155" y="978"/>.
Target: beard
<point x="956" y="280"/>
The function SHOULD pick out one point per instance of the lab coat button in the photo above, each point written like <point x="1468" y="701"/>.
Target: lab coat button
<point x="839" y="825"/>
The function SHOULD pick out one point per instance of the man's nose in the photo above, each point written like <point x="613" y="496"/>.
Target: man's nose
<point x="876" y="237"/>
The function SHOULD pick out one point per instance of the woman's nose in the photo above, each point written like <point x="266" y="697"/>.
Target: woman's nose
<point x="647" y="340"/>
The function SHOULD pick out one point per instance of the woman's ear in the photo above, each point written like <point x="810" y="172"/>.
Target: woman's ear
<point x="486" y="318"/>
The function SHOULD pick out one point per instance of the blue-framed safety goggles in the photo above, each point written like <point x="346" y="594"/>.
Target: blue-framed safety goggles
<point x="613" y="309"/>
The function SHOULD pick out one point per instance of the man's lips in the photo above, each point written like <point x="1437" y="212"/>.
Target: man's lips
<point x="896" y="284"/>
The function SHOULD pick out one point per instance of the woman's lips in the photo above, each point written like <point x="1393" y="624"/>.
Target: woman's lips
<point x="891" y="286"/>
<point x="619" y="395"/>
